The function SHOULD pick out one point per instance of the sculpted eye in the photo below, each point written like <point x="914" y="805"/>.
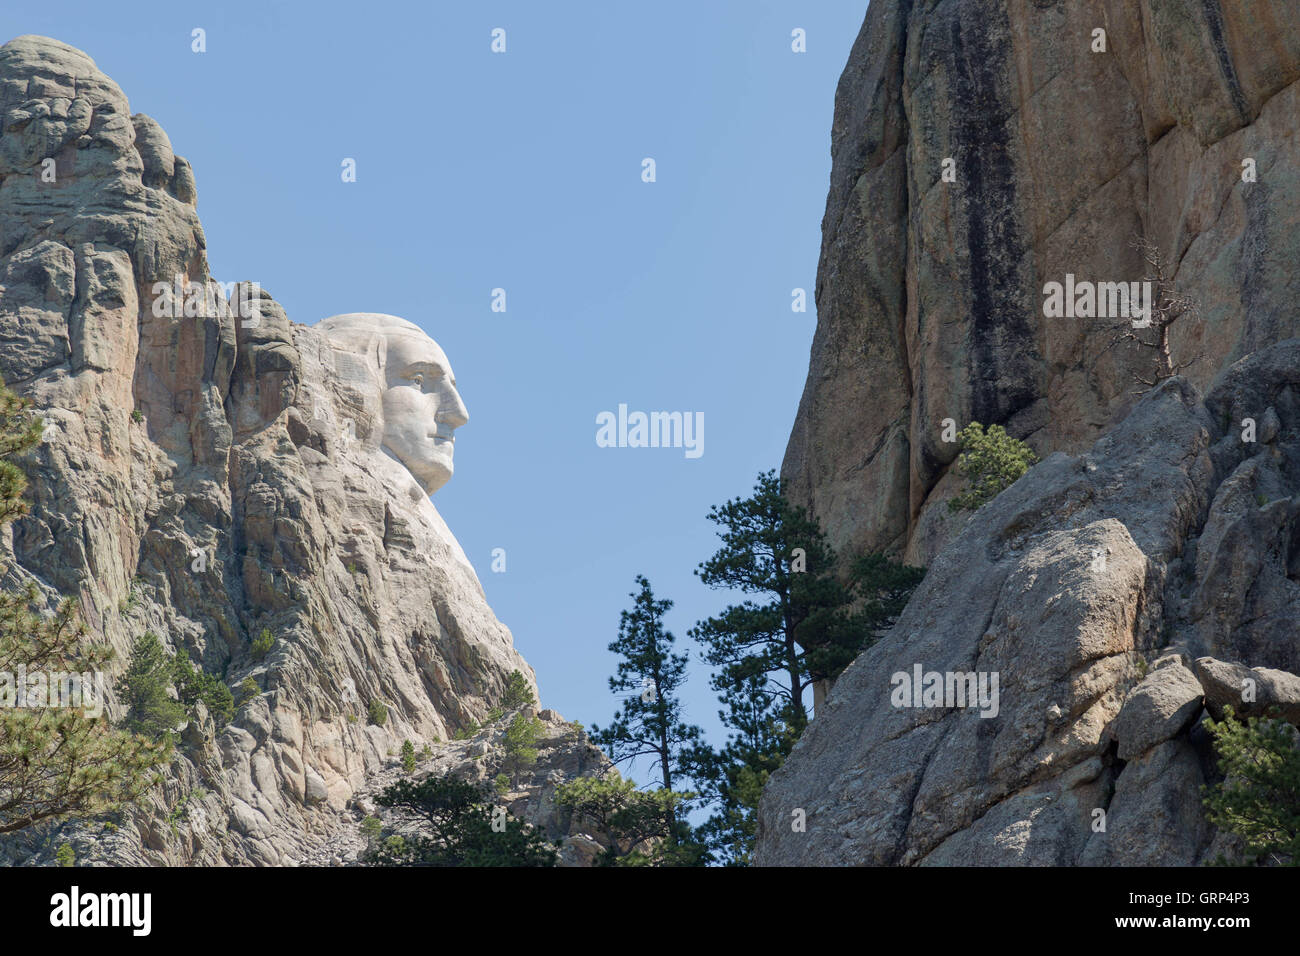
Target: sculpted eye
<point x="418" y="379"/>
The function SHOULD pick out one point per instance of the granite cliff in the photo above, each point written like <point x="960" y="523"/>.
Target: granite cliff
<point x="929" y="292"/>
<point x="1149" y="568"/>
<point x="208" y="473"/>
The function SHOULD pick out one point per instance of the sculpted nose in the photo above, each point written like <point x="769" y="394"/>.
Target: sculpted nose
<point x="451" y="409"/>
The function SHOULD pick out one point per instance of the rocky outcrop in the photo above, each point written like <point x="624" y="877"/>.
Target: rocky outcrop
<point x="1172" y="541"/>
<point x="1249" y="691"/>
<point x="563" y="753"/>
<point x="1182" y="129"/>
<point x="203" y="476"/>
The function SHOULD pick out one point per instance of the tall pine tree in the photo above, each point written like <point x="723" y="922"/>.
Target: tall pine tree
<point x="776" y="552"/>
<point x="799" y="625"/>
<point x="650" y="723"/>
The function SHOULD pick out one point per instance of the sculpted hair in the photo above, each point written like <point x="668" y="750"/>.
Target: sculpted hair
<point x="359" y="342"/>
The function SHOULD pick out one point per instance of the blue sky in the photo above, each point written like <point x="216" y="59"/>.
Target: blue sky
<point x="522" y="171"/>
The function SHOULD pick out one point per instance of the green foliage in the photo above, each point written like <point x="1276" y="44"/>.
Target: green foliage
<point x="377" y="713"/>
<point x="518" y="693"/>
<point x="990" y="461"/>
<point x="408" y="756"/>
<point x="182" y="808"/>
<point x="194" y="685"/>
<point x="144" y="688"/>
<point x="66" y="855"/>
<point x="776" y="552"/>
<point x="641" y="825"/>
<point x="650" y="723"/>
<point x="884" y="587"/>
<point x="457" y="824"/>
<point x="371" y="829"/>
<point x="501" y="783"/>
<point x="127" y="604"/>
<point x="262" y="644"/>
<point x="426" y="752"/>
<point x="732" y="777"/>
<point x="54" y="762"/>
<point x="493" y="715"/>
<point x="467" y="731"/>
<point x="520" y="742"/>
<point x="649" y="676"/>
<point x="1259" y="797"/>
<point x="248" y="689"/>
<point x="20" y="432"/>
<point x="800" y="624"/>
<point x="880" y="589"/>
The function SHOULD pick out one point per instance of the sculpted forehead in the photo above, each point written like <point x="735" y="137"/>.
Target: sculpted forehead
<point x="405" y="343"/>
<point x="367" y="322"/>
<point x="407" y="350"/>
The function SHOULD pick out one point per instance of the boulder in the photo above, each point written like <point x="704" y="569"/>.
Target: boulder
<point x="1249" y="691"/>
<point x="1161" y="707"/>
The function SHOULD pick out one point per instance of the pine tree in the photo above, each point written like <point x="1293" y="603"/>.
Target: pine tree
<point x="54" y="762"/>
<point x="731" y="779"/>
<point x="520" y="744"/>
<point x="518" y="693"/>
<point x="777" y="552"/>
<point x="143" y="689"/>
<point x="880" y="589"/>
<point x="649" y="724"/>
<point x="802" y="625"/>
<point x="1259" y="798"/>
<point x="990" y="461"/>
<point x="635" y="821"/>
<point x="194" y="685"/>
<point x="459" y="827"/>
<point x="408" y="756"/>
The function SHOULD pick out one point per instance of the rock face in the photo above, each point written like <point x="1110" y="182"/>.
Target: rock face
<point x="1171" y="541"/>
<point x="563" y="753"/>
<point x="930" y="292"/>
<point x="211" y="470"/>
<point x="981" y="150"/>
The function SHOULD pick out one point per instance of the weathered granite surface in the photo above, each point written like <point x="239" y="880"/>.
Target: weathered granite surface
<point x="212" y="469"/>
<point x="1118" y="595"/>
<point x="929" y="293"/>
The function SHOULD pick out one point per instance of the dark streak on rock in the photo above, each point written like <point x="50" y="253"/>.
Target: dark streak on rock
<point x="1001" y="339"/>
<point x="1214" y="21"/>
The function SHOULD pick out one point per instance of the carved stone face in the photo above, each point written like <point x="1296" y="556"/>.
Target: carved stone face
<point x="420" y="405"/>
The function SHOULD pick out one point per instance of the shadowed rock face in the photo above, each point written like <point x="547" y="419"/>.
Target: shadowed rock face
<point x="1151" y="563"/>
<point x="929" y="293"/>
<point x="1172" y="543"/>
<point x="249" y="492"/>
